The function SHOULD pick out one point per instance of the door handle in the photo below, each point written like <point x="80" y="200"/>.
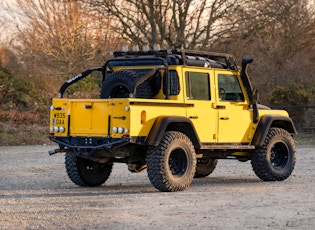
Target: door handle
<point x="220" y="107"/>
<point x="88" y="106"/>
<point x="224" y="118"/>
<point x="193" y="117"/>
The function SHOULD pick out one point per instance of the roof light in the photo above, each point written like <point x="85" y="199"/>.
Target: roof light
<point x="135" y="48"/>
<point x="124" y="48"/>
<point x="145" y="48"/>
<point x="156" y="47"/>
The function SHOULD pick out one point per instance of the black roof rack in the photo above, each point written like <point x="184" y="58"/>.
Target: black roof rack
<point x="185" y="57"/>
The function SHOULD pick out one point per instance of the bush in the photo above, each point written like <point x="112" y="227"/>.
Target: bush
<point x="15" y="93"/>
<point x="292" y="94"/>
<point x="20" y="102"/>
<point x="299" y="94"/>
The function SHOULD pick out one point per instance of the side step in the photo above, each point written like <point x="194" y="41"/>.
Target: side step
<point x="223" y="147"/>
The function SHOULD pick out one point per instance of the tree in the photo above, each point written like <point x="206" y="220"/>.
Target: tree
<point x="61" y="38"/>
<point x="280" y="36"/>
<point x="173" y="24"/>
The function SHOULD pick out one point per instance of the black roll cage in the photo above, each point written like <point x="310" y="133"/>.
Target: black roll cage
<point x="107" y="65"/>
<point x="179" y="57"/>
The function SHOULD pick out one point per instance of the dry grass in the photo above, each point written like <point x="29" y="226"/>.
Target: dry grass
<point x="13" y="134"/>
<point x="305" y="138"/>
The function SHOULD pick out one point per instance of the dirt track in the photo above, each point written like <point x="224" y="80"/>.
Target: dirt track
<point x="35" y="193"/>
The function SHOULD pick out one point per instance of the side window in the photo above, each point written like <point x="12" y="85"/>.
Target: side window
<point x="197" y="86"/>
<point x="229" y="88"/>
<point x="173" y="83"/>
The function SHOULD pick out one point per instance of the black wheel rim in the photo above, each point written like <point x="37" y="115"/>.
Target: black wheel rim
<point x="178" y="162"/>
<point x="279" y="155"/>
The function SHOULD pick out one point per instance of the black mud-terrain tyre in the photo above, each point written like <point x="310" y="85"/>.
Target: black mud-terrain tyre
<point x="275" y="159"/>
<point x="171" y="165"/>
<point x="205" y="167"/>
<point x="86" y="173"/>
<point x="121" y="84"/>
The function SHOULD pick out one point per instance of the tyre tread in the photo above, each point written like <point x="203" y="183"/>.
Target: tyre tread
<point x="156" y="159"/>
<point x="261" y="164"/>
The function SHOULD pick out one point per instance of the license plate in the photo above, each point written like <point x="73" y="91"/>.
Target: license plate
<point x="59" y="119"/>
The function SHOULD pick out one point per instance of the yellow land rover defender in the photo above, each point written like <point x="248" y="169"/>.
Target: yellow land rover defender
<point x="174" y="113"/>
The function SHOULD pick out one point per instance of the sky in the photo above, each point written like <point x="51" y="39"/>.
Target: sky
<point x="4" y="12"/>
<point x="7" y="21"/>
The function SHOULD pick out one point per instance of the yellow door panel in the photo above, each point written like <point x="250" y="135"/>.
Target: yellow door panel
<point x="89" y="118"/>
<point x="234" y="116"/>
<point x="234" y="124"/>
<point x="99" y="118"/>
<point x="199" y="92"/>
<point x="204" y="119"/>
<point x="80" y="118"/>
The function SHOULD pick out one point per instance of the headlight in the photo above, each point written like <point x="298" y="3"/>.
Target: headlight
<point x="56" y="129"/>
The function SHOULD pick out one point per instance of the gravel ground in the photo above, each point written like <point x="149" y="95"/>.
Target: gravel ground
<point x="35" y="193"/>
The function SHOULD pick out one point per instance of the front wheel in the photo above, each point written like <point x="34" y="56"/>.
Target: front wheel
<point x="171" y="165"/>
<point x="84" y="172"/>
<point x="275" y="159"/>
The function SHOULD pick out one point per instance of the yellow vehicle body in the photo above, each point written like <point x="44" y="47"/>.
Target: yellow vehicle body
<point x="93" y="117"/>
<point x="174" y="113"/>
<point x="215" y="120"/>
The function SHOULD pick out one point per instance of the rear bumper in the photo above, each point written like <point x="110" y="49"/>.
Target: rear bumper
<point x="86" y="146"/>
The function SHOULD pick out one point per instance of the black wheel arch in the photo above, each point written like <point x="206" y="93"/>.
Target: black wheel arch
<point x="172" y="123"/>
<point x="268" y="121"/>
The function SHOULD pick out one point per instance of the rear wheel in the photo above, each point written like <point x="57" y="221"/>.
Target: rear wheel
<point x="84" y="172"/>
<point x="205" y="167"/>
<point x="275" y="159"/>
<point x="171" y="165"/>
